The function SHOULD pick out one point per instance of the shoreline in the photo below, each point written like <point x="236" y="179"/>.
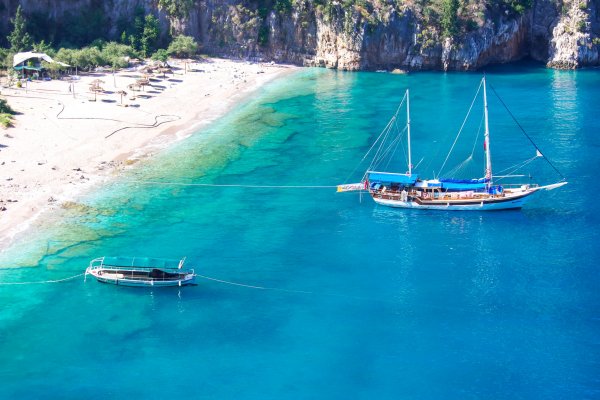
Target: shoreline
<point x="64" y="144"/>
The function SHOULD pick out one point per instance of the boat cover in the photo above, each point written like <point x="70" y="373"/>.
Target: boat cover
<point x="464" y="184"/>
<point x="141" y="262"/>
<point x="390" y="177"/>
<point x="453" y="180"/>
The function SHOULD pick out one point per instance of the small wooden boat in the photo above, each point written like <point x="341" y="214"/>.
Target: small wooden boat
<point x="140" y="271"/>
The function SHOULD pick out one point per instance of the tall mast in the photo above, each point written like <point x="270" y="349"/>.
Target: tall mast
<point x="408" y="131"/>
<point x="488" y="156"/>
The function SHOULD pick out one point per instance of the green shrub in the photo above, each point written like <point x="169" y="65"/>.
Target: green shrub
<point x="160" y="55"/>
<point x="581" y="26"/>
<point x="449" y="18"/>
<point x="5" y="108"/>
<point x="5" y="58"/>
<point x="176" y="8"/>
<point x="183" y="46"/>
<point x="5" y="120"/>
<point x="263" y="35"/>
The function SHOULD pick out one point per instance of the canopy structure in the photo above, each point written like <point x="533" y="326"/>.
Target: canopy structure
<point x="464" y="184"/>
<point x="20" y="59"/>
<point x="389" y="177"/>
<point x="141" y="262"/>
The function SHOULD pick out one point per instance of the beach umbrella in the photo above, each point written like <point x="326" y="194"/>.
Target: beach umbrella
<point x="185" y="63"/>
<point x="96" y="88"/>
<point x="143" y="82"/>
<point x="122" y="93"/>
<point x="165" y="70"/>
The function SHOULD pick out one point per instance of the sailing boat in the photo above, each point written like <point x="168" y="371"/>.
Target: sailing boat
<point x="407" y="190"/>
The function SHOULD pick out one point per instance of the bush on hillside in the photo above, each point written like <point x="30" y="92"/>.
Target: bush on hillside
<point x="183" y="46"/>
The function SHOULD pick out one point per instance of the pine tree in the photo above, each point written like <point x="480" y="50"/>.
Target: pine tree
<point x="19" y="39"/>
<point x="150" y="35"/>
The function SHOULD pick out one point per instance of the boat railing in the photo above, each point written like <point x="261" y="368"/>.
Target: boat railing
<point x="96" y="263"/>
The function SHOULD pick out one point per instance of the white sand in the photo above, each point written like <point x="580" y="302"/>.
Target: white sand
<point x="46" y="160"/>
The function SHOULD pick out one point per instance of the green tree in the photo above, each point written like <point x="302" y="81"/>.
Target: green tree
<point x="160" y="55"/>
<point x="5" y="108"/>
<point x="68" y="56"/>
<point x="176" y="8"/>
<point x="115" y="54"/>
<point x="19" y="39"/>
<point x="89" y="57"/>
<point x="43" y="47"/>
<point x="5" y="58"/>
<point x="53" y="68"/>
<point x="449" y="18"/>
<point x="183" y="46"/>
<point x="149" y="35"/>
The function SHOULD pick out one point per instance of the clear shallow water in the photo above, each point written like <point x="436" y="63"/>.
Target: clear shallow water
<point x="403" y="304"/>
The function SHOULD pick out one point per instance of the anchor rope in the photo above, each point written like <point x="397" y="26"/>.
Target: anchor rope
<point x="282" y="290"/>
<point x="42" y="282"/>
<point x="232" y="185"/>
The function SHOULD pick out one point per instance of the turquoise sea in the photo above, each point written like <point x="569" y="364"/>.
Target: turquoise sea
<point x="372" y="302"/>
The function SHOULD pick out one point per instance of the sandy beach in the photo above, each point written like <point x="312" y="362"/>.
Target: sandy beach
<point x="67" y="139"/>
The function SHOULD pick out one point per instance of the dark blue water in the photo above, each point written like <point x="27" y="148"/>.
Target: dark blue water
<point x="400" y="304"/>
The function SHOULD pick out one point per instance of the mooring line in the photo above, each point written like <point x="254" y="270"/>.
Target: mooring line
<point x="41" y="282"/>
<point x="285" y="290"/>
<point x="232" y="185"/>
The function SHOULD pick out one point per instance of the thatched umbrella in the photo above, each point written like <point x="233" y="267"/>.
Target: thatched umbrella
<point x="165" y="70"/>
<point x="143" y="82"/>
<point x="96" y="89"/>
<point x="185" y="64"/>
<point x="97" y="82"/>
<point x="122" y="93"/>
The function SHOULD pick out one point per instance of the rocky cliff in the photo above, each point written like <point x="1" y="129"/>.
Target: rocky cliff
<point x="356" y="34"/>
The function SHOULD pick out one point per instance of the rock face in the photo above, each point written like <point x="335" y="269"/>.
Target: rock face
<point x="561" y="33"/>
<point x="575" y="40"/>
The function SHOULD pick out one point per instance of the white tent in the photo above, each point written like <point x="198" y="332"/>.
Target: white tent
<point x="20" y="58"/>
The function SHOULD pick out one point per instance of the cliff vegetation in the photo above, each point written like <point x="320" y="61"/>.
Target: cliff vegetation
<point x="345" y="34"/>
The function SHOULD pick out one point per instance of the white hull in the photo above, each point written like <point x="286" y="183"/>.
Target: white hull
<point x="105" y="276"/>
<point x="508" y="202"/>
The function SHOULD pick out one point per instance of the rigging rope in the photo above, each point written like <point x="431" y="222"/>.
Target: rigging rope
<point x="41" y="282"/>
<point x="461" y="127"/>
<point x="515" y="167"/>
<point x="384" y="133"/>
<point x="367" y="153"/>
<point x="525" y="133"/>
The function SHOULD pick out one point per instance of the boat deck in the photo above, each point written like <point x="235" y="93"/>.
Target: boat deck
<point x="154" y="275"/>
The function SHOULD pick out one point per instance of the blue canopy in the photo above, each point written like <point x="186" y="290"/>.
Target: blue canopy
<point x="391" y="177"/>
<point x="453" y="180"/>
<point x="464" y="184"/>
<point x="141" y="262"/>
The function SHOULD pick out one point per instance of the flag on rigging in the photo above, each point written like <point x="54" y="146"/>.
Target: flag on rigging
<point x="351" y="187"/>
